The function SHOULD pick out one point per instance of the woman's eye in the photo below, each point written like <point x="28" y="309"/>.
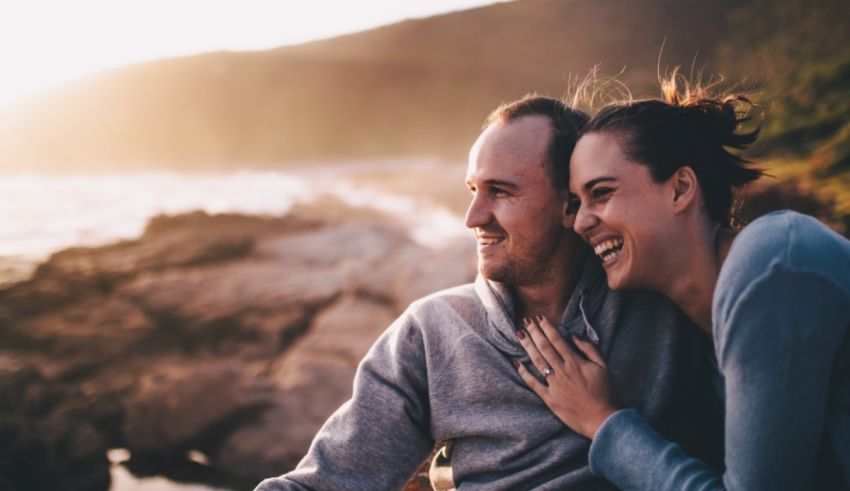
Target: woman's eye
<point x="601" y="192"/>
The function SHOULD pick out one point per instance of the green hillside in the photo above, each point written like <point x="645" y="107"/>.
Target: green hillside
<point x="797" y="53"/>
<point x="420" y="87"/>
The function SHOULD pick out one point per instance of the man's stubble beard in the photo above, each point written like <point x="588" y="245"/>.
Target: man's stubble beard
<point x="527" y="266"/>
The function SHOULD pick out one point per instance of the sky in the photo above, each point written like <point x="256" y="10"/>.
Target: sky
<point x="44" y="43"/>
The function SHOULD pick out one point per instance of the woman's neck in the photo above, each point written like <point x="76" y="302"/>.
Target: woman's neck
<point x="692" y="288"/>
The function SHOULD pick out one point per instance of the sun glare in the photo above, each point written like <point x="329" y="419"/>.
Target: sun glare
<point x="46" y="42"/>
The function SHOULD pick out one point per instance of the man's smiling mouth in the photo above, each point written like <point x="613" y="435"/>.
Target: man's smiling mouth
<point x="490" y="240"/>
<point x="608" y="250"/>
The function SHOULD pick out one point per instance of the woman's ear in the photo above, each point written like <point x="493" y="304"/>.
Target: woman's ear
<point x="568" y="218"/>
<point x="685" y="188"/>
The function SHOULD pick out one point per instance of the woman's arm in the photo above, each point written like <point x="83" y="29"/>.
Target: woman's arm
<point x="625" y="450"/>
<point x="776" y="345"/>
<point x="776" y="342"/>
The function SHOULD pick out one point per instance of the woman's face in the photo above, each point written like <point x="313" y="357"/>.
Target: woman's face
<point x="625" y="216"/>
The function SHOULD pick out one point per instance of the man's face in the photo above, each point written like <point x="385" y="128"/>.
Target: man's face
<point x="517" y="214"/>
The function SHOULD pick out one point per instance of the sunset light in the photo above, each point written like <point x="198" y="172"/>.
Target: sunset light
<point x="45" y="42"/>
<point x="314" y="244"/>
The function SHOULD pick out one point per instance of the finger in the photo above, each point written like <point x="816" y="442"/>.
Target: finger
<point x="589" y="350"/>
<point x="568" y="359"/>
<point x="554" y="337"/>
<point x="533" y="353"/>
<point x="550" y="355"/>
<point x="531" y="381"/>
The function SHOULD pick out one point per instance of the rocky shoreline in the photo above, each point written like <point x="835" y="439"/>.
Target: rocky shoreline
<point x="232" y="336"/>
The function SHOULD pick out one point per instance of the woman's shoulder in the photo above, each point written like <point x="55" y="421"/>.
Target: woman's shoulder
<point x="781" y="268"/>
<point x="774" y="250"/>
<point x="792" y="240"/>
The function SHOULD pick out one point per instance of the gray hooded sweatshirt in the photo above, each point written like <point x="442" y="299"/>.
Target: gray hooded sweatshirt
<point x="442" y="372"/>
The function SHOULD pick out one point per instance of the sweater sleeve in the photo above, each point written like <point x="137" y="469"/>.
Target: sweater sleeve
<point x="631" y="455"/>
<point x="378" y="438"/>
<point x="776" y="343"/>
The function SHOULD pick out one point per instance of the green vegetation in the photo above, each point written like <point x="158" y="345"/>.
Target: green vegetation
<point x="809" y="114"/>
<point x="797" y="52"/>
<point x="806" y="130"/>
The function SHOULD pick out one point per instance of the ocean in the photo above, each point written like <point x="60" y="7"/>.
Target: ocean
<point x="41" y="214"/>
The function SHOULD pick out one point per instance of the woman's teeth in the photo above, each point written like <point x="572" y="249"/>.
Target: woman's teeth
<point x="609" y="249"/>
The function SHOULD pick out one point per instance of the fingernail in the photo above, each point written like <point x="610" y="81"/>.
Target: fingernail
<point x="516" y="364"/>
<point x="520" y="334"/>
<point x="539" y="318"/>
<point x="526" y="321"/>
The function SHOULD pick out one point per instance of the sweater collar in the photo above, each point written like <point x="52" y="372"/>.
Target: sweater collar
<point x="582" y="309"/>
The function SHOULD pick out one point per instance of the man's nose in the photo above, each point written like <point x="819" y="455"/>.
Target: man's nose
<point x="478" y="214"/>
<point x="585" y="221"/>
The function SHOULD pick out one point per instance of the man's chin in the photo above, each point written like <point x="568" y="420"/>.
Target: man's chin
<point x="495" y="273"/>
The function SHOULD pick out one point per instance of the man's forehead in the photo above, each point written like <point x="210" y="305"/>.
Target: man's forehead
<point x="517" y="146"/>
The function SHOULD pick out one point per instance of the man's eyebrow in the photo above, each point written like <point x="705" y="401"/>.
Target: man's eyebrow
<point x="495" y="182"/>
<point x="503" y="184"/>
<point x="593" y="182"/>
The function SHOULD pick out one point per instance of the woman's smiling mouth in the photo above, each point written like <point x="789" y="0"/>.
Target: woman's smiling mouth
<point x="608" y="250"/>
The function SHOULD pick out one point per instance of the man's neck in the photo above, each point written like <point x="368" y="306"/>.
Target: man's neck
<point x="550" y="296"/>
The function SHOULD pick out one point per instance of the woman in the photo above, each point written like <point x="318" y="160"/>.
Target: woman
<point x="655" y="181"/>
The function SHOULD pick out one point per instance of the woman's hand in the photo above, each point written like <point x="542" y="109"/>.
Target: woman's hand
<point x="576" y="388"/>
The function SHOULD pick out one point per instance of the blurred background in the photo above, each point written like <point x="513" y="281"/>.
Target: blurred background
<point x="209" y="209"/>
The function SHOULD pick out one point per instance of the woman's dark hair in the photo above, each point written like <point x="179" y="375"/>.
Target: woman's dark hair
<point x="687" y="127"/>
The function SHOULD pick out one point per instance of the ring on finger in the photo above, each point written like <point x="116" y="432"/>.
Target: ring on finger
<point x="546" y="371"/>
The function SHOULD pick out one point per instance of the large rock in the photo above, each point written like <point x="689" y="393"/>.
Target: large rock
<point x="378" y="260"/>
<point x="182" y="406"/>
<point x="313" y="378"/>
<point x="236" y="336"/>
<point x="168" y="243"/>
<point x="49" y="437"/>
<point x="255" y="303"/>
<point x="95" y="331"/>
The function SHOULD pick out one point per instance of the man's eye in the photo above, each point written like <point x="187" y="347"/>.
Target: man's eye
<point x="498" y="192"/>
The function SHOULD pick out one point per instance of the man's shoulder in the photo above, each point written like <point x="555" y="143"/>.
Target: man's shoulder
<point x="446" y="314"/>
<point x="452" y="298"/>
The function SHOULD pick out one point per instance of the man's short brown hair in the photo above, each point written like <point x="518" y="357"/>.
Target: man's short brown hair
<point x="566" y="123"/>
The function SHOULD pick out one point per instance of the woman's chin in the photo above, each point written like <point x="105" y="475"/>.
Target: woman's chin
<point x="615" y="284"/>
<point x="617" y="274"/>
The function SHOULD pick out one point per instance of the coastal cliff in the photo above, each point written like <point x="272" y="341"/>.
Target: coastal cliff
<point x="230" y="336"/>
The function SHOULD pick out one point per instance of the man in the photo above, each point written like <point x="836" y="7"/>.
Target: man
<point x="443" y="370"/>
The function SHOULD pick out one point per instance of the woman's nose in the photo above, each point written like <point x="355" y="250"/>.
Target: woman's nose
<point x="585" y="221"/>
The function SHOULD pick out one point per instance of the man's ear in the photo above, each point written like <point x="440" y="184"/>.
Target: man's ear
<point x="685" y="188"/>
